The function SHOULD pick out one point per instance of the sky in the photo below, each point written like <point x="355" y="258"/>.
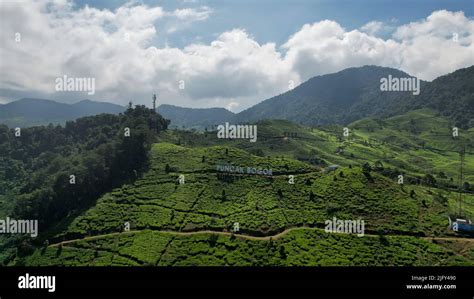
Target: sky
<point x="227" y="53"/>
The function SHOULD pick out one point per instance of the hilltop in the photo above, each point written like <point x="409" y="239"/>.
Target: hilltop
<point x="350" y="95"/>
<point x="35" y="112"/>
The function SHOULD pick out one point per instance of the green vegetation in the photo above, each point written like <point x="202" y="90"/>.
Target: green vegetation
<point x="190" y="223"/>
<point x="37" y="165"/>
<point x="297" y="248"/>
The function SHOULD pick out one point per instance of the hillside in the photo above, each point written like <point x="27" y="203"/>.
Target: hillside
<point x="279" y="223"/>
<point x="452" y="96"/>
<point x="414" y="142"/>
<point x="36" y="112"/>
<point x="173" y="224"/>
<point x="417" y="144"/>
<point x="338" y="98"/>
<point x="50" y="173"/>
<point x="347" y="96"/>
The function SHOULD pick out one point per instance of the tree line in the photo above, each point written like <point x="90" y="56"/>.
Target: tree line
<point x="59" y="171"/>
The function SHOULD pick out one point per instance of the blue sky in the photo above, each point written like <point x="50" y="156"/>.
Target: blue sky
<point x="275" y="20"/>
<point x="232" y="54"/>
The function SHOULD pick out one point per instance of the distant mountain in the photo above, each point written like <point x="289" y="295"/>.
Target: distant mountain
<point x="34" y="112"/>
<point x="340" y="98"/>
<point x="355" y="93"/>
<point x="347" y="96"/>
<point x="452" y="96"/>
<point x="195" y="118"/>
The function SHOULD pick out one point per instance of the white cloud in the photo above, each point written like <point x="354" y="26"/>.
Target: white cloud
<point x="191" y="14"/>
<point x="233" y="71"/>
<point x="372" y="28"/>
<point x="429" y="47"/>
<point x="232" y="106"/>
<point x="185" y="17"/>
<point x="380" y="29"/>
<point x="326" y="47"/>
<point x="425" y="49"/>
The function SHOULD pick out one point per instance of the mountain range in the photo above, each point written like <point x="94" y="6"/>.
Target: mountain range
<point x="346" y="96"/>
<point x="338" y="98"/>
<point x="195" y="118"/>
<point x="34" y="112"/>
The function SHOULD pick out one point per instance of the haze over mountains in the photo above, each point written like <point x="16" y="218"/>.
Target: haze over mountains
<point x="195" y="118"/>
<point x="338" y="98"/>
<point x="349" y="95"/>
<point x="34" y="112"/>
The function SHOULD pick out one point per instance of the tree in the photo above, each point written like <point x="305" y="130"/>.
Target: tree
<point x="223" y="196"/>
<point x="429" y="180"/>
<point x="366" y="169"/>
<point x="442" y="175"/>
<point x="213" y="240"/>
<point x="95" y="149"/>
<point x="466" y="186"/>
<point x="282" y="252"/>
<point x="280" y="193"/>
<point x="378" y="165"/>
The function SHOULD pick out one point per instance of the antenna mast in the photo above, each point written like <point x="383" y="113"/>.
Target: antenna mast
<point x="154" y="102"/>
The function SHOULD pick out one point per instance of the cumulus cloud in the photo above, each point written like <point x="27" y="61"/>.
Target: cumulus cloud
<point x="440" y="44"/>
<point x="234" y="71"/>
<point x="232" y="106"/>
<point x="193" y="14"/>
<point x="425" y="48"/>
<point x="183" y="18"/>
<point x="372" y="27"/>
<point x="326" y="47"/>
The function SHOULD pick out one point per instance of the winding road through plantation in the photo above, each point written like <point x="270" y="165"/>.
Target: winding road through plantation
<point x="241" y="236"/>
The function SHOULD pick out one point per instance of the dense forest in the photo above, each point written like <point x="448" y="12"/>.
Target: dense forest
<point x="52" y="172"/>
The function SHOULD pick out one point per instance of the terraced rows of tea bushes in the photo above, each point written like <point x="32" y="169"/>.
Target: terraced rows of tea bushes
<point x="261" y="205"/>
<point x="156" y="205"/>
<point x="297" y="248"/>
<point x="397" y="142"/>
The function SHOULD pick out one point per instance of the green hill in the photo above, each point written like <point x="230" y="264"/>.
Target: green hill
<point x="191" y="223"/>
<point x="297" y="248"/>
<point x="153" y="218"/>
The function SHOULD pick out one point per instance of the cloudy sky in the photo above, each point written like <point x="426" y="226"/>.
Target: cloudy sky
<point x="228" y="53"/>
